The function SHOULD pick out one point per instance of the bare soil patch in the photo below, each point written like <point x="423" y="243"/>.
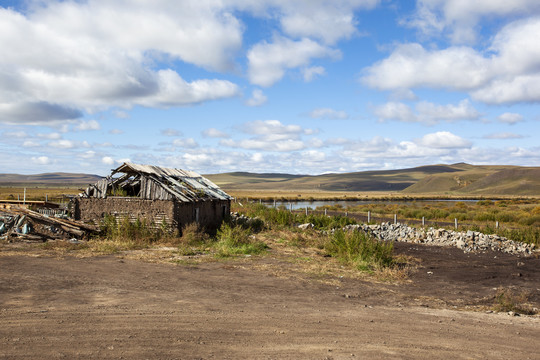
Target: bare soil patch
<point x="114" y="306"/>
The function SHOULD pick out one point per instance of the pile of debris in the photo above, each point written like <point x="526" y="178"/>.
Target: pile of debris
<point x="20" y="224"/>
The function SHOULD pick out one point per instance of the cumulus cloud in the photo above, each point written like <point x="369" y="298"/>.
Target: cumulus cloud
<point x="270" y="135"/>
<point x="257" y="98"/>
<point x="273" y="128"/>
<point x="107" y="160"/>
<point x="57" y="62"/>
<point x="459" y="19"/>
<point x="50" y="136"/>
<point x="41" y="160"/>
<point x="214" y="133"/>
<point x="327" y="113"/>
<point x="312" y="72"/>
<point x="30" y="143"/>
<point x="88" y="125"/>
<point x="267" y="62"/>
<point x="507" y="72"/>
<point x="15" y="134"/>
<point x="427" y="112"/>
<point x="443" y="140"/>
<point x="185" y="143"/>
<point x="171" y="132"/>
<point x="503" y="136"/>
<point x="510" y="118"/>
<point x="63" y="144"/>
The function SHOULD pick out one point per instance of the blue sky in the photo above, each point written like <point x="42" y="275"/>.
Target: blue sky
<point x="295" y="86"/>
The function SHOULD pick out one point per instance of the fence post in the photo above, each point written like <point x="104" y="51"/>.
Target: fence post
<point x="306" y="210"/>
<point x="346" y="213"/>
<point x="455" y="223"/>
<point x="324" y="212"/>
<point x="290" y="207"/>
<point x="496" y="225"/>
<point x="274" y="203"/>
<point x="423" y="221"/>
<point x="395" y="219"/>
<point x="369" y="217"/>
<point x="24" y="200"/>
<point x="46" y="197"/>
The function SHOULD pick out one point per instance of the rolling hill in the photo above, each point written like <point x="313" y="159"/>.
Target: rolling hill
<point x="48" y="179"/>
<point x="456" y="179"/>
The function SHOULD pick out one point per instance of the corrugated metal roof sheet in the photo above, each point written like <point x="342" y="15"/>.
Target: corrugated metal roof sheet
<point x="182" y="185"/>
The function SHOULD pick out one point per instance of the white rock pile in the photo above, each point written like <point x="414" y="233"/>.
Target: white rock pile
<point x="467" y="241"/>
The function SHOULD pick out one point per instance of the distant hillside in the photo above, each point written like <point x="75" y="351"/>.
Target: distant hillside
<point x="48" y="179"/>
<point x="456" y="179"/>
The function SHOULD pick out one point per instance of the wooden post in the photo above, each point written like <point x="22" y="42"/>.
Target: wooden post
<point x="455" y="223"/>
<point x="496" y="225"/>
<point x="24" y="199"/>
<point x="346" y="213"/>
<point x="324" y="212"/>
<point x="274" y="203"/>
<point x="423" y="221"/>
<point x="369" y="217"/>
<point x="46" y="197"/>
<point x="306" y="210"/>
<point x="290" y="206"/>
<point x="395" y="219"/>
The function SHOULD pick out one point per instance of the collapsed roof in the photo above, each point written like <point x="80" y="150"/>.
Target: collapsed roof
<point x="156" y="183"/>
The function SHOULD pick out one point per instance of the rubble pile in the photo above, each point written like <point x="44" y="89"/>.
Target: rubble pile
<point x="467" y="241"/>
<point x="20" y="224"/>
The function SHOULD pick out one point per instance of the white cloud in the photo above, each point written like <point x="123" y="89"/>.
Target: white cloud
<point x="41" y="160"/>
<point x="50" y="136"/>
<point x="63" y="144"/>
<point x="272" y="128"/>
<point x="503" y="136"/>
<point x="328" y="21"/>
<point x="282" y="145"/>
<point x="460" y="18"/>
<point x="185" y="143"/>
<point x="30" y="143"/>
<point x="427" y="112"/>
<point x="214" y="133"/>
<point x="15" y="134"/>
<point x="257" y="98"/>
<point x="443" y="140"/>
<point x="327" y="113"/>
<point x="510" y="118"/>
<point x="107" y="160"/>
<point x="116" y="131"/>
<point x="507" y="72"/>
<point x="268" y="61"/>
<point x="171" y="132"/>
<point x="312" y="72"/>
<point x="88" y="154"/>
<point x="88" y="125"/>
<point x="94" y="67"/>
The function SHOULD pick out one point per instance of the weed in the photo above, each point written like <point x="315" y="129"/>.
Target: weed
<point x="360" y="250"/>
<point x="235" y="240"/>
<point x="509" y="300"/>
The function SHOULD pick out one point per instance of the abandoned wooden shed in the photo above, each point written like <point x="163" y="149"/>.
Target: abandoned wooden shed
<point x="156" y="195"/>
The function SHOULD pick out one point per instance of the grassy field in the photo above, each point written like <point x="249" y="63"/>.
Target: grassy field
<point x="38" y="192"/>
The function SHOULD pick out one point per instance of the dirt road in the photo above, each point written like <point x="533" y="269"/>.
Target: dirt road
<point x="109" y="307"/>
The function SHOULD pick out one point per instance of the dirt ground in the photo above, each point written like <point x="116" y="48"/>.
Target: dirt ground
<point x="117" y="307"/>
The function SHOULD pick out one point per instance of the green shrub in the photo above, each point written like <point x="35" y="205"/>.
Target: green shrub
<point x="360" y="250"/>
<point x="235" y="240"/>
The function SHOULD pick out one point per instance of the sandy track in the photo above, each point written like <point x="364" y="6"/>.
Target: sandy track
<point x="105" y="307"/>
